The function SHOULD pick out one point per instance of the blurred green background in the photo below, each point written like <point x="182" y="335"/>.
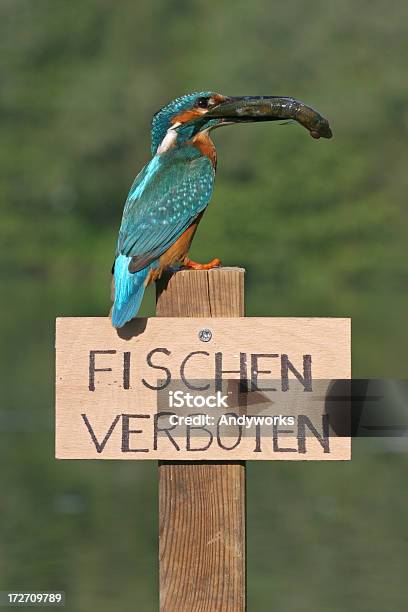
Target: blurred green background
<point x="319" y="226"/>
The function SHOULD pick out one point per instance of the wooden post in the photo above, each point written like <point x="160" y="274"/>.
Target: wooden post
<point x="202" y="504"/>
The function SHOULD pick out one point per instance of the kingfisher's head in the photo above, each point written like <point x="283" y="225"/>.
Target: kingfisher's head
<point x="184" y="117"/>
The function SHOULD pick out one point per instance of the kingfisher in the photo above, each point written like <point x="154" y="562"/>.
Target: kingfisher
<point x="169" y="196"/>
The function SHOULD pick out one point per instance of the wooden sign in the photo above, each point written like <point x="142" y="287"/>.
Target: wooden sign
<point x="199" y="388"/>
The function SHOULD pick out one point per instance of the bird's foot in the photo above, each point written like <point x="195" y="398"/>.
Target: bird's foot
<point x="193" y="265"/>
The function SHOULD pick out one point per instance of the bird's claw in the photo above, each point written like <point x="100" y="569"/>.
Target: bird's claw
<point x="194" y="265"/>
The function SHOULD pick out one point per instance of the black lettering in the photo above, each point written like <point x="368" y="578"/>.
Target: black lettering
<point x="255" y="371"/>
<point x="243" y="386"/>
<point x="239" y="437"/>
<point x="189" y="429"/>
<point x="275" y="435"/>
<point x="305" y="380"/>
<point x="257" y="448"/>
<point x="93" y="369"/>
<point x="323" y="438"/>
<point x="126" y="370"/>
<point x="100" y="446"/>
<point x="126" y="431"/>
<point x="156" y="367"/>
<point x="157" y="430"/>
<point x="182" y="372"/>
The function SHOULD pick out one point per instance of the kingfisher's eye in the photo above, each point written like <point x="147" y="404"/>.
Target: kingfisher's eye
<point x="202" y="102"/>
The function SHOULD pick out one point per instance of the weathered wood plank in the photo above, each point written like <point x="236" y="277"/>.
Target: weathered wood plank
<point x="202" y="505"/>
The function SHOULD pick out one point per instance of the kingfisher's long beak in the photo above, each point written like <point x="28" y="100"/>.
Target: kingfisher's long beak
<point x="270" y="108"/>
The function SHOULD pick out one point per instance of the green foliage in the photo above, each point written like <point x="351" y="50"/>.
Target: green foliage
<point x="319" y="226"/>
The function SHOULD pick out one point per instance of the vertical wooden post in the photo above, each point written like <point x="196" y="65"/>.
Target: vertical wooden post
<point x="202" y="504"/>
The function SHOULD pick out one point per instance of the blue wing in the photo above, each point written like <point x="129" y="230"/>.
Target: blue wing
<point x="164" y="200"/>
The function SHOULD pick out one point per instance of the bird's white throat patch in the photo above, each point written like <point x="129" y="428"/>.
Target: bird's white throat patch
<point x="170" y="138"/>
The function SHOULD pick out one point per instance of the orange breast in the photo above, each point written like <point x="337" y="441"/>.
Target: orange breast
<point x="176" y="253"/>
<point x="204" y="144"/>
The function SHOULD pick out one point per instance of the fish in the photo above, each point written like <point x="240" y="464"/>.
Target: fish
<point x="273" y="108"/>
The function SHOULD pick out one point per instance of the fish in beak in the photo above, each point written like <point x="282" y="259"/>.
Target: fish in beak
<point x="270" y="108"/>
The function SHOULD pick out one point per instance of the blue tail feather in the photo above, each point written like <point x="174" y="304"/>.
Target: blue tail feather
<point x="129" y="291"/>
